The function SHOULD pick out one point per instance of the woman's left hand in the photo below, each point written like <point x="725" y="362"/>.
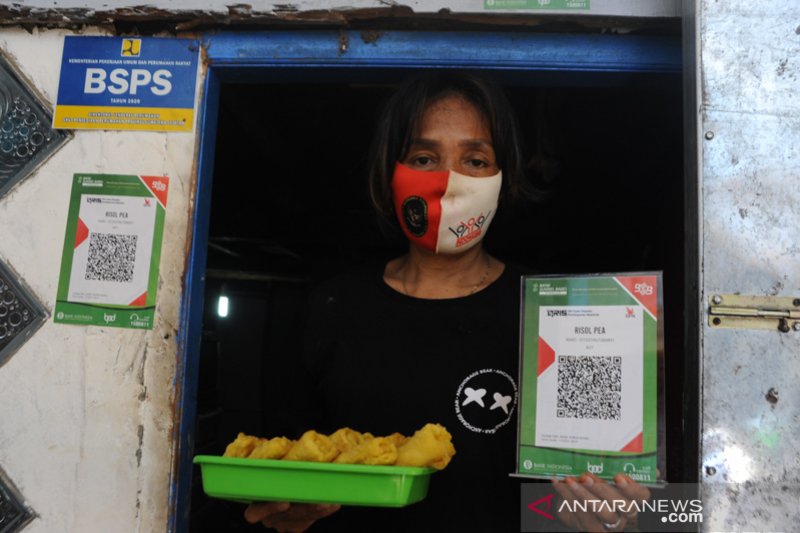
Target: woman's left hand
<point x="600" y="518"/>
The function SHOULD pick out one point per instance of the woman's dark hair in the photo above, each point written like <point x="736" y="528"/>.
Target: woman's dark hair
<point x="402" y="116"/>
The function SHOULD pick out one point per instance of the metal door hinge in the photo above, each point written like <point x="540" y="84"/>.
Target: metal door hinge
<point x="781" y="313"/>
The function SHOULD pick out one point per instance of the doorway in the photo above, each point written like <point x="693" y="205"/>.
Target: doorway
<point x="285" y="201"/>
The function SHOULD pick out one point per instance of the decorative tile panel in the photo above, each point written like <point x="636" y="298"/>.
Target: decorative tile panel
<point x="26" y="134"/>
<point x="20" y="314"/>
<point x="14" y="515"/>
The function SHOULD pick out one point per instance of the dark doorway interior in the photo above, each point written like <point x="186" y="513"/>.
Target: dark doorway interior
<point x="290" y="208"/>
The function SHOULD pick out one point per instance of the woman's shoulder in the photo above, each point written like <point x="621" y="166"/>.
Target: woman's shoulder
<point x="516" y="269"/>
<point x="352" y="283"/>
<point x="360" y="283"/>
<point x="513" y="272"/>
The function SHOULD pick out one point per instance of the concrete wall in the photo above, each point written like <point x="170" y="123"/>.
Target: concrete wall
<point x="749" y="135"/>
<point x="86" y="411"/>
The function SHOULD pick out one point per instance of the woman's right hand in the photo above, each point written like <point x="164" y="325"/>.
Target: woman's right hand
<point x="287" y="517"/>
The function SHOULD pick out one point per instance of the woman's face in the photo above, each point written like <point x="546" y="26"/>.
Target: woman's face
<point x="453" y="135"/>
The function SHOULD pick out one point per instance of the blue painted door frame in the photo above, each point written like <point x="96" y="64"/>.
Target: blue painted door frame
<point x="264" y="57"/>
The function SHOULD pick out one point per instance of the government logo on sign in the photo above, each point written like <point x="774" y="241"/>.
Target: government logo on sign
<point x="131" y="47"/>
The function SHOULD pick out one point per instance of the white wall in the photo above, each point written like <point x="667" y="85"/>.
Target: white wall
<point x="86" y="411"/>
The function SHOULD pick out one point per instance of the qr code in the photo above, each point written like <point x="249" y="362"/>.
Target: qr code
<point x="111" y="257"/>
<point x="589" y="386"/>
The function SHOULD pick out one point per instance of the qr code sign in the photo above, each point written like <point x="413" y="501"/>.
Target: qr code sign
<point x="589" y="386"/>
<point x="111" y="257"/>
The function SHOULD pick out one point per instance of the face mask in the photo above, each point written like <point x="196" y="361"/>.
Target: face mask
<point x="444" y="212"/>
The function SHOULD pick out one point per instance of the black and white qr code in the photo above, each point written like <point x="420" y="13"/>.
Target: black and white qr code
<point x="589" y="386"/>
<point x="111" y="257"/>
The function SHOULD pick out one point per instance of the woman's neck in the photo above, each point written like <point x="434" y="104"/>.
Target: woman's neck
<point x="421" y="274"/>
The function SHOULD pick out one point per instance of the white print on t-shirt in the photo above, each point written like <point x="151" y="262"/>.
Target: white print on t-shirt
<point x="474" y="396"/>
<point x="470" y="407"/>
<point x="501" y="402"/>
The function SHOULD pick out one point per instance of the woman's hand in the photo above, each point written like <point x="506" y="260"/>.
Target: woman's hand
<point x="614" y="516"/>
<point x="287" y="517"/>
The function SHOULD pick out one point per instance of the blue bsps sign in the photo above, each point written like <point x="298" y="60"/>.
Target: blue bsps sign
<point x="133" y="83"/>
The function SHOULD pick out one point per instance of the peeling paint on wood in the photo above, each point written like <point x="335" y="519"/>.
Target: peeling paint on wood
<point x="645" y="8"/>
<point x="184" y="16"/>
<point x="371" y="36"/>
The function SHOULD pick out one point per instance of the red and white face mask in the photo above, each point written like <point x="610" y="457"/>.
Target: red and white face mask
<point x="444" y="212"/>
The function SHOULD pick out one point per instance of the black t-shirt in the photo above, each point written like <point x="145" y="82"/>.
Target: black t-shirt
<point x="381" y="361"/>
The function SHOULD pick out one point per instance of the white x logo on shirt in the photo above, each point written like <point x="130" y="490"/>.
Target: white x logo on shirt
<point x="501" y="402"/>
<point x="474" y="396"/>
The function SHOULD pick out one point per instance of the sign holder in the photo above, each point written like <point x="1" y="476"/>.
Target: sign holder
<point x="112" y="247"/>
<point x="591" y="377"/>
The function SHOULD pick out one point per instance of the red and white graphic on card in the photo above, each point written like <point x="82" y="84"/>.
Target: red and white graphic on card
<point x="159" y="186"/>
<point x="546" y="357"/>
<point x="644" y="289"/>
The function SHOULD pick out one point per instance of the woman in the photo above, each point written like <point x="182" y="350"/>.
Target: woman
<point x="432" y="336"/>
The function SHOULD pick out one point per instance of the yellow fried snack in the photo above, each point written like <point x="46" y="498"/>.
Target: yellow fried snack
<point x="274" y="448"/>
<point x="375" y="451"/>
<point x="313" y="446"/>
<point x="345" y="439"/>
<point x="429" y="446"/>
<point x="398" y="439"/>
<point x="241" y="447"/>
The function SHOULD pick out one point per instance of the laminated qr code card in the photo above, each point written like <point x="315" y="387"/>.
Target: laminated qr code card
<point x="590" y="371"/>
<point x="109" y="266"/>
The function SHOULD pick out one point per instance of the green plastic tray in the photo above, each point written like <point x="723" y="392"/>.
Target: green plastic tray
<point x="249" y="480"/>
